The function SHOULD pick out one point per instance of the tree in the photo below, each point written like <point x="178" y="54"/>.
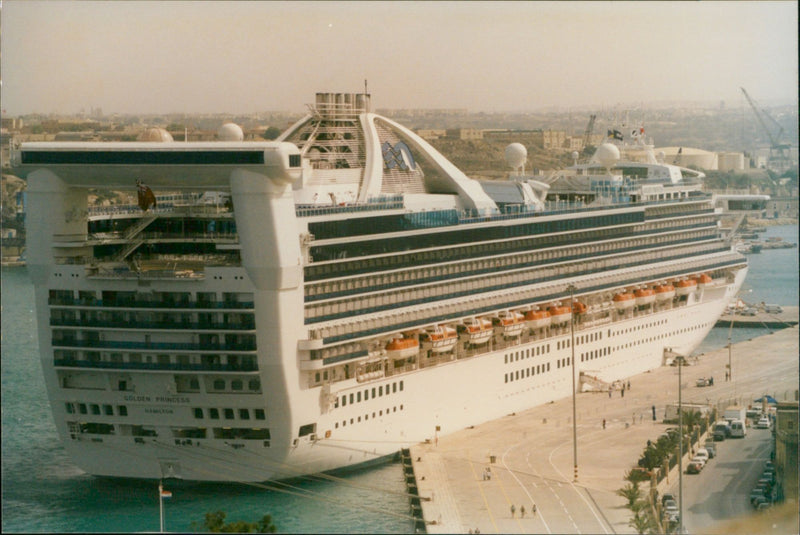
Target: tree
<point x="215" y="523"/>
<point x="630" y="492"/>
<point x="640" y="522"/>
<point x="271" y="133"/>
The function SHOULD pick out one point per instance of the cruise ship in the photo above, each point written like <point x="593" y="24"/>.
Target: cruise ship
<point x="323" y="300"/>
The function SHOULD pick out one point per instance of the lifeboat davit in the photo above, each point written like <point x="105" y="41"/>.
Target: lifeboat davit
<point x="645" y="296"/>
<point x="536" y="319"/>
<point x="442" y="338"/>
<point x="665" y="292"/>
<point x="401" y="348"/>
<point x="479" y="330"/>
<point x="685" y="287"/>
<point x="512" y="323"/>
<point x="559" y="314"/>
<point x="624" y="301"/>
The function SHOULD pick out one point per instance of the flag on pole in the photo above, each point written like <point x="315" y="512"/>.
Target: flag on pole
<point x="164" y="493"/>
<point x="145" y="196"/>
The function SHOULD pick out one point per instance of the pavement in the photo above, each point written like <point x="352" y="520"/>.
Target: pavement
<point x="788" y="317"/>
<point x="531" y="456"/>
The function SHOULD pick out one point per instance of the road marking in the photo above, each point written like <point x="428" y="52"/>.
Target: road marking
<point x="483" y="495"/>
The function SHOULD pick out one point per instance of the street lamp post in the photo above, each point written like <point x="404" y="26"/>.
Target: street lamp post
<point x="571" y="289"/>
<point x="680" y="360"/>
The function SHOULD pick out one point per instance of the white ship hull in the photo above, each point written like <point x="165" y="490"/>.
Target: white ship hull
<point x="469" y="391"/>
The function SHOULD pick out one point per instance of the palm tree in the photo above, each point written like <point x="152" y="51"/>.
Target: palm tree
<point x="630" y="492"/>
<point x="640" y="522"/>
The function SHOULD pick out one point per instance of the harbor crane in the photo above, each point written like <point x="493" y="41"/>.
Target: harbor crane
<point x="588" y="132"/>
<point x="779" y="159"/>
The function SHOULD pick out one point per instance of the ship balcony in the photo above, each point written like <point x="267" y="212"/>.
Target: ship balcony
<point x="136" y="303"/>
<point x="97" y="345"/>
<point x="153" y="366"/>
<point x="245" y="326"/>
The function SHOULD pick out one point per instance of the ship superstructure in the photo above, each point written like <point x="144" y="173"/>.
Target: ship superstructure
<point x="326" y="299"/>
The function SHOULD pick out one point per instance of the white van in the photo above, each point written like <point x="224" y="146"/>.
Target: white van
<point x="738" y="429"/>
<point x="773" y="309"/>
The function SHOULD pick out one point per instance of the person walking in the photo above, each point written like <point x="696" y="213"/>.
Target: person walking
<point x="533" y="510"/>
<point x="522" y="511"/>
<point x="513" y="510"/>
<point x="604" y="423"/>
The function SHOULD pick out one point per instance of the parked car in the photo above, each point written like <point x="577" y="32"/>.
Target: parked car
<point x="763" y="423"/>
<point x="711" y="448"/>
<point x="722" y="430"/>
<point x="702" y="381"/>
<point x="749" y="311"/>
<point x="702" y="453"/>
<point x="772" y="309"/>
<point x="756" y="493"/>
<point x="758" y="501"/>
<point x="694" y="467"/>
<point x="666" y="497"/>
<point x="670" y="507"/>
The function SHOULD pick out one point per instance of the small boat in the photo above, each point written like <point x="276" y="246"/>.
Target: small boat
<point x="402" y="347"/>
<point x="536" y="319"/>
<point x="702" y="280"/>
<point x="479" y="330"/>
<point x="685" y="287"/>
<point x="664" y="292"/>
<point x="645" y="296"/>
<point x="559" y="314"/>
<point x="441" y="337"/>
<point x="512" y="323"/>
<point x="624" y="301"/>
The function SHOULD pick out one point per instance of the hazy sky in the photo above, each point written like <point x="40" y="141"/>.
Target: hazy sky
<point x="240" y="57"/>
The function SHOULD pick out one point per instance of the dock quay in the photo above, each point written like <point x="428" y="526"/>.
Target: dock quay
<point x="788" y="317"/>
<point x="468" y="481"/>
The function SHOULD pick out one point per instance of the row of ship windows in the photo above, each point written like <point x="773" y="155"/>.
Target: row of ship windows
<point x="199" y="413"/>
<point x="94" y="408"/>
<point x="228" y="413"/>
<point x="366" y="416"/>
<point x="377" y="391"/>
<point x="183" y="435"/>
<point x="533" y="370"/>
<point x="636" y="328"/>
<point x="109" y="298"/>
<point x="528" y="353"/>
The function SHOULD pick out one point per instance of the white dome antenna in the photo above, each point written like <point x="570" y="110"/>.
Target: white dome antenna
<point x="516" y="156"/>
<point x="230" y="132"/>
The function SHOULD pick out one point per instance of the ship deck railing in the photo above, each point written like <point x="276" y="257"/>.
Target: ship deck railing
<point x="78" y="363"/>
<point x="154" y="346"/>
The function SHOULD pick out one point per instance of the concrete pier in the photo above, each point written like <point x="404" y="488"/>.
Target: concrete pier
<point x="530" y="454"/>
<point x="788" y="317"/>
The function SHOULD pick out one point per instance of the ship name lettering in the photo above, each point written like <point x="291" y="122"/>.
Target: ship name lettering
<point x="156" y="410"/>
<point x="175" y="399"/>
<point x="137" y="398"/>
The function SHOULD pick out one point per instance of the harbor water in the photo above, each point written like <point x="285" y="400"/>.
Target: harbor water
<point x="44" y="492"/>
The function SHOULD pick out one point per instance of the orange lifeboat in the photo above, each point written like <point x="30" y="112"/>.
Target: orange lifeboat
<point x="578" y="308"/>
<point x="685" y="287"/>
<point x="400" y="347"/>
<point x="624" y="301"/>
<point x="479" y="330"/>
<point x="442" y="338"/>
<point x="559" y="314"/>
<point x="645" y="296"/>
<point x="665" y="292"/>
<point x="512" y="323"/>
<point x="537" y="319"/>
<point x="703" y="279"/>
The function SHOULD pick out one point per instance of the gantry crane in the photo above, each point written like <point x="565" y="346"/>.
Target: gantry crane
<point x="778" y="157"/>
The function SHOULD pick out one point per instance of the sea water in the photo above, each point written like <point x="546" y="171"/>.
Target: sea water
<point x="44" y="492"/>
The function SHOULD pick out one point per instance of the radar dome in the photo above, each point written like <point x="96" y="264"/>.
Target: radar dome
<point x="155" y="134"/>
<point x="607" y="154"/>
<point x="230" y="132"/>
<point x="516" y="155"/>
